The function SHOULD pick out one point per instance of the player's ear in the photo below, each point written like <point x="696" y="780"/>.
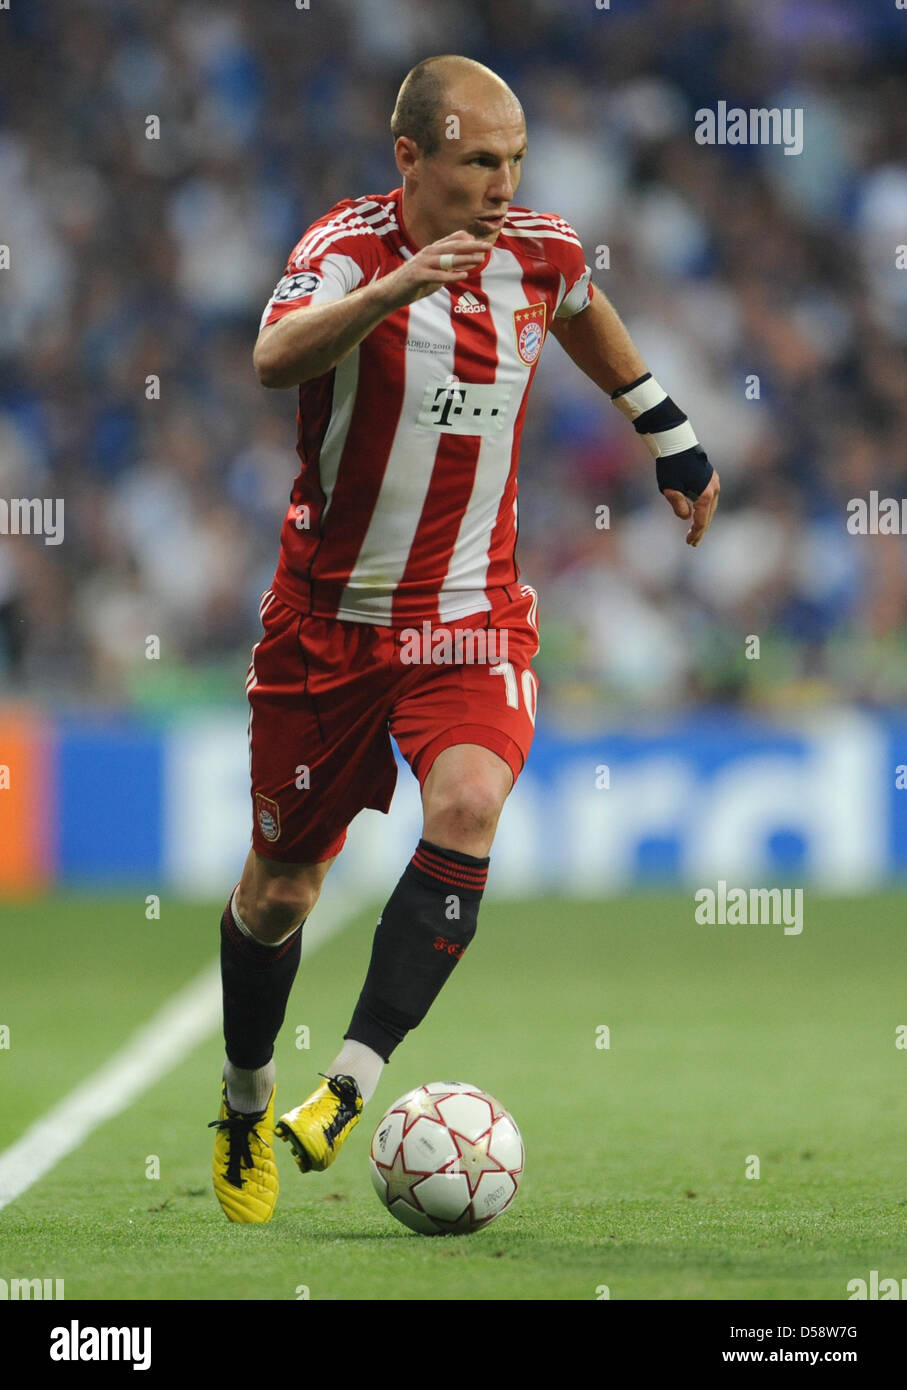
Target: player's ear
<point x="407" y="154"/>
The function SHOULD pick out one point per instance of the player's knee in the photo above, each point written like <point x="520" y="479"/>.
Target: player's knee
<point x="277" y="909"/>
<point x="470" y="811"/>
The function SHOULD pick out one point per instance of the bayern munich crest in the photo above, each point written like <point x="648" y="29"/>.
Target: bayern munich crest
<point x="268" y="814"/>
<point x="529" y="328"/>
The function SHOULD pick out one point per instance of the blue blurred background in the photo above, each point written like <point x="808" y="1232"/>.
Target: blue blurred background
<point x="732" y="265"/>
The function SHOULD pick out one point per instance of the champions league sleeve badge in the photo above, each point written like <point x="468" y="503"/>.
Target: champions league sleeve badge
<point x="296" y="286"/>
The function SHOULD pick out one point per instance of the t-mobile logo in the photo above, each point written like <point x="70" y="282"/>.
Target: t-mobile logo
<point x="458" y="407"/>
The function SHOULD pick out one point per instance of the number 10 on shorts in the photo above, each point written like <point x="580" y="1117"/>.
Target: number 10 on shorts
<point x="528" y="683"/>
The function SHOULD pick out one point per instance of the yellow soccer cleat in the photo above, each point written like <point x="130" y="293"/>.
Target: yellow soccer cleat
<point x="317" y="1129"/>
<point x="245" y="1174"/>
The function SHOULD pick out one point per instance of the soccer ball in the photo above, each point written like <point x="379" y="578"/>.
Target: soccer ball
<point x="446" y="1159"/>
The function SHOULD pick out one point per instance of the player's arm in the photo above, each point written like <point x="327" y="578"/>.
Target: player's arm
<point x="599" y="344"/>
<point x="312" y="339"/>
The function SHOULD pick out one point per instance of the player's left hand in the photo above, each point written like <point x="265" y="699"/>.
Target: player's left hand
<point x="699" y="505"/>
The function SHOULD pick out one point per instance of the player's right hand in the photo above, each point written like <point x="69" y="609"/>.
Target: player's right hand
<point x="422" y="274"/>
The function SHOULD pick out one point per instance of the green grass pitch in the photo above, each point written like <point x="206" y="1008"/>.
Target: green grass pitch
<point x="726" y="1042"/>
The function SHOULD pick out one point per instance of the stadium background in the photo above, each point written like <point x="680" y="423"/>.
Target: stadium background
<point x="131" y="257"/>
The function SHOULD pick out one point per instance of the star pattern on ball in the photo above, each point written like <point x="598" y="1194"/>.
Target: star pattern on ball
<point x="400" y="1181"/>
<point x="473" y="1159"/>
<point x="422" y="1104"/>
<point x="497" y="1109"/>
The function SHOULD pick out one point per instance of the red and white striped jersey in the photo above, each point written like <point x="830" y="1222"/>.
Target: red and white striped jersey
<point x="405" y="506"/>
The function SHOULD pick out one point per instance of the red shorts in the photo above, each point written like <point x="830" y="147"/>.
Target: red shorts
<point x="327" y="694"/>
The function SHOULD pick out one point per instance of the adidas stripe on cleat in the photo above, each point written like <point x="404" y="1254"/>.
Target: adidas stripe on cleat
<point x="317" y="1130"/>
<point x="245" y="1174"/>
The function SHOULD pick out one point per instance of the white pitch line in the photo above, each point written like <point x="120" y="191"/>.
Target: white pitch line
<point x="186" y="1020"/>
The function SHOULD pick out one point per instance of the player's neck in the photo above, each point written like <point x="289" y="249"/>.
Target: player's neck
<point x="418" y="227"/>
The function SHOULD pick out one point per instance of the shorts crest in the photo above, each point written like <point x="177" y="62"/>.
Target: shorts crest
<point x="268" y="813"/>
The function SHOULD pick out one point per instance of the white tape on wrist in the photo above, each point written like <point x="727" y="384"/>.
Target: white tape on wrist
<point x="660" y="443"/>
<point x="640" y="399"/>
<point x="672" y="441"/>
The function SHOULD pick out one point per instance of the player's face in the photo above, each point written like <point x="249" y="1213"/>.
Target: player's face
<point x="471" y="182"/>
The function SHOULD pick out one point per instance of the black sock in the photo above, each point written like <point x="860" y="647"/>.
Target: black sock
<point x="256" y="981"/>
<point x="421" y="934"/>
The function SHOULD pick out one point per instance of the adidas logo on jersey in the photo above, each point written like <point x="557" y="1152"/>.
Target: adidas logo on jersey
<point x="468" y="304"/>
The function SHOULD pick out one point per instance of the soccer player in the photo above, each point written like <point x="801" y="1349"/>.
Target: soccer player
<point x="411" y="324"/>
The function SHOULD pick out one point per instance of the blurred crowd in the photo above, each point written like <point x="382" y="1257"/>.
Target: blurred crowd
<point x="764" y="291"/>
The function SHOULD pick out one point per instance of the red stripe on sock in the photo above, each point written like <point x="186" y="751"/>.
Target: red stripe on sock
<point x="448" y="871"/>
